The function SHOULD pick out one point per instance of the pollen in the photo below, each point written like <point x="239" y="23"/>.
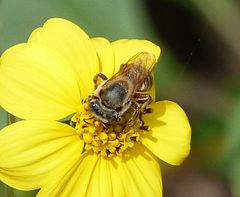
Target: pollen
<point x="107" y="140"/>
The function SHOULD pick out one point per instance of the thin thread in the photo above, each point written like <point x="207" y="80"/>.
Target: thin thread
<point x="191" y="55"/>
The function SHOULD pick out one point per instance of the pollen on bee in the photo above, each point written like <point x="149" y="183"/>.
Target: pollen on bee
<point x="108" y="141"/>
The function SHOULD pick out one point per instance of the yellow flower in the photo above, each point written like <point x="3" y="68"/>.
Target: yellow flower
<point x="49" y="78"/>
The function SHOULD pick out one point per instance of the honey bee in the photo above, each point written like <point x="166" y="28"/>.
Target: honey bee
<point x="125" y="89"/>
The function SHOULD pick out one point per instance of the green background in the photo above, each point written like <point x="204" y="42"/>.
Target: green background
<point x="199" y="68"/>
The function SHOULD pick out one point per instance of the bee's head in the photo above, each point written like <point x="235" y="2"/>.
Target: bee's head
<point x="102" y="113"/>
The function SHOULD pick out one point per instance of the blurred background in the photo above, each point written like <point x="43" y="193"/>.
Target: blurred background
<point x="199" y="69"/>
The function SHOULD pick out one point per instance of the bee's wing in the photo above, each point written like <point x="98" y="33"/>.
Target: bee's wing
<point x="143" y="59"/>
<point x="137" y="71"/>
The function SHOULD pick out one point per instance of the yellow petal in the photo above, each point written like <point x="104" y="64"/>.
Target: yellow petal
<point x="170" y="136"/>
<point x="105" y="55"/>
<point x="70" y="41"/>
<point x="124" y="49"/>
<point x="105" y="180"/>
<point x="30" y="150"/>
<point x="140" y="173"/>
<point x="97" y="176"/>
<point x="37" y="83"/>
<point x="91" y="176"/>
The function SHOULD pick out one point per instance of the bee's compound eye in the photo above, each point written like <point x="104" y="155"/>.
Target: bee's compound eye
<point x="94" y="106"/>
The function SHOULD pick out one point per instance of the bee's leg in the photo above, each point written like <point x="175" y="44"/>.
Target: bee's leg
<point x="143" y="127"/>
<point x="87" y="119"/>
<point x="105" y="125"/>
<point x="144" y="100"/>
<point x="136" y="108"/>
<point x="96" y="79"/>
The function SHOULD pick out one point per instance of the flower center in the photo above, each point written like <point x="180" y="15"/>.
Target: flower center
<point x="107" y="140"/>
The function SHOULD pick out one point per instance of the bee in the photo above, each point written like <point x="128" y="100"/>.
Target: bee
<point x="125" y="89"/>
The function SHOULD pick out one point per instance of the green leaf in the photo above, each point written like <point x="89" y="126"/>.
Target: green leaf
<point x="6" y="191"/>
<point x="231" y="147"/>
<point x="3" y="118"/>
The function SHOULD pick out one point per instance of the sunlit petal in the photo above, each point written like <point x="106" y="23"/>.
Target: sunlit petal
<point x="70" y="41"/>
<point x="91" y="176"/>
<point x="105" y="55"/>
<point x="37" y="83"/>
<point x="30" y="150"/>
<point x="97" y="176"/>
<point x="140" y="173"/>
<point x="170" y="136"/>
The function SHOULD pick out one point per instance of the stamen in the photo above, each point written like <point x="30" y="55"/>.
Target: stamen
<point x="111" y="140"/>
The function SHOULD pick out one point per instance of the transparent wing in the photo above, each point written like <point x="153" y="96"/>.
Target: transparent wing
<point x="143" y="59"/>
<point x="140" y="65"/>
